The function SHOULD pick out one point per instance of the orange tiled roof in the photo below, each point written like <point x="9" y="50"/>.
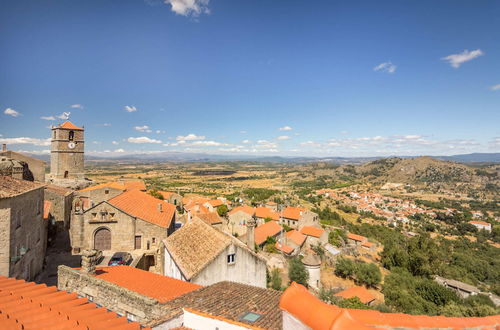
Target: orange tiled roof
<point x="159" y="287"/>
<point x="140" y="185"/>
<point x="358" y="291"/>
<point x="196" y="208"/>
<point x="215" y="202"/>
<point x="69" y="125"/>
<point x="283" y="247"/>
<point x="144" y="206"/>
<point x="312" y="231"/>
<point x="26" y="305"/>
<point x="46" y="209"/>
<point x="166" y="194"/>
<point x="482" y="223"/>
<point x="266" y="230"/>
<point x="355" y="237"/>
<point x="296" y="237"/>
<point x="264" y="212"/>
<point x="316" y="314"/>
<point x="113" y="185"/>
<point x="293" y="213"/>
<point x="244" y="208"/>
<point x="211" y="218"/>
<point x="367" y="244"/>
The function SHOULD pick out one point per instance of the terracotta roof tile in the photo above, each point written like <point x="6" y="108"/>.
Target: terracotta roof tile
<point x="211" y="218"/>
<point x="368" y="244"/>
<point x="293" y="213"/>
<point x="69" y="125"/>
<point x="296" y="237"/>
<point x="316" y="314"/>
<point x="166" y="194"/>
<point x="11" y="187"/>
<point x="112" y="185"/>
<point x="264" y="212"/>
<point x="312" y="231"/>
<point x="244" y="208"/>
<point x="358" y="291"/>
<point x="130" y="185"/>
<point x="284" y="248"/>
<point x="216" y="202"/>
<point x="482" y="223"/>
<point x="357" y="238"/>
<point x="195" y="245"/>
<point x="26" y="305"/>
<point x="144" y="206"/>
<point x="231" y="301"/>
<point x="269" y="229"/>
<point x="161" y="288"/>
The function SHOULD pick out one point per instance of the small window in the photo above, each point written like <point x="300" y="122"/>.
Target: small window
<point x="112" y="215"/>
<point x="231" y="258"/>
<point x="71" y="135"/>
<point x="154" y="240"/>
<point x="106" y="191"/>
<point x="94" y="215"/>
<point x="250" y="317"/>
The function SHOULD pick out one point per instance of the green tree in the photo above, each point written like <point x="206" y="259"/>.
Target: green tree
<point x="368" y="274"/>
<point x="156" y="194"/>
<point x="275" y="279"/>
<point x="344" y="267"/>
<point x="297" y="272"/>
<point x="352" y="302"/>
<point x="222" y="210"/>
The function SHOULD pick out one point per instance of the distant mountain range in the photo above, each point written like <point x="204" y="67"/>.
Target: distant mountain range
<point x="200" y="157"/>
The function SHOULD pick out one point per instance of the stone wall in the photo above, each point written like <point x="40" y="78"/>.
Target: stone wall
<point x="237" y="222"/>
<point x="123" y="301"/>
<point x="36" y="166"/>
<point x="63" y="158"/>
<point x="22" y="229"/>
<point x="61" y="206"/>
<point x="101" y="194"/>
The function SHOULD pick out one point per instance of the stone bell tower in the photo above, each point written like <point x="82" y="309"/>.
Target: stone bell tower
<point x="66" y="153"/>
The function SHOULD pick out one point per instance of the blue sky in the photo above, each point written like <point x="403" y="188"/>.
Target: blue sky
<point x="280" y="77"/>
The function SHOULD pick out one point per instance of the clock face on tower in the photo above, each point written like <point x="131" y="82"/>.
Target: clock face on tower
<point x="71" y="145"/>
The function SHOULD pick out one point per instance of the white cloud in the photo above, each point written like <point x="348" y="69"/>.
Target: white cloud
<point x="144" y="129"/>
<point x="385" y="67"/>
<point x="64" y="115"/>
<point x="190" y="137"/>
<point x="142" y="139"/>
<point x="246" y="141"/>
<point x="264" y="144"/>
<point x="455" y="60"/>
<point x="283" y="137"/>
<point x="26" y="140"/>
<point x="285" y="128"/>
<point x="159" y="131"/>
<point x="48" y="118"/>
<point x="208" y="143"/>
<point x="189" y="7"/>
<point x="130" y="108"/>
<point x="76" y="106"/>
<point x="12" y="112"/>
<point x="310" y="143"/>
<point x="114" y="142"/>
<point x="119" y="150"/>
<point x="495" y="87"/>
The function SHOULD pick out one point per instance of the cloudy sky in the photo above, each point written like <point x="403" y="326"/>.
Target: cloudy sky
<point x="280" y="77"/>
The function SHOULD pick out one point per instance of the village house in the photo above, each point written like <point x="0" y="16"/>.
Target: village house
<point x="269" y="229"/>
<point x="23" y="231"/>
<point x="213" y="204"/>
<point x="35" y="168"/>
<point x="357" y="240"/>
<point x="133" y="220"/>
<point x="263" y="213"/>
<point x="212" y="219"/>
<point x="480" y="225"/>
<point x="314" y="235"/>
<point x="358" y="291"/>
<point x="108" y="190"/>
<point x="61" y="200"/>
<point x="201" y="254"/>
<point x="464" y="290"/>
<point x="295" y="239"/>
<point x="238" y="217"/>
<point x="296" y="217"/>
<point x="172" y="198"/>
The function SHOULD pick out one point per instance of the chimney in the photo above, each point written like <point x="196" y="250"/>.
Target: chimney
<point x="160" y="207"/>
<point x="89" y="260"/>
<point x="4" y="147"/>
<point x="251" y="234"/>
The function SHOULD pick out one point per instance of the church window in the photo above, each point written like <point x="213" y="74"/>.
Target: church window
<point x="71" y="135"/>
<point x="231" y="258"/>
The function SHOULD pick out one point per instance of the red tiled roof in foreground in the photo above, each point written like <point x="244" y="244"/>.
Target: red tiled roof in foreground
<point x="316" y="314"/>
<point x="144" y="206"/>
<point x="69" y="125"/>
<point x="26" y="305"/>
<point x="269" y="229"/>
<point x="358" y="291"/>
<point x="312" y="231"/>
<point x="159" y="287"/>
